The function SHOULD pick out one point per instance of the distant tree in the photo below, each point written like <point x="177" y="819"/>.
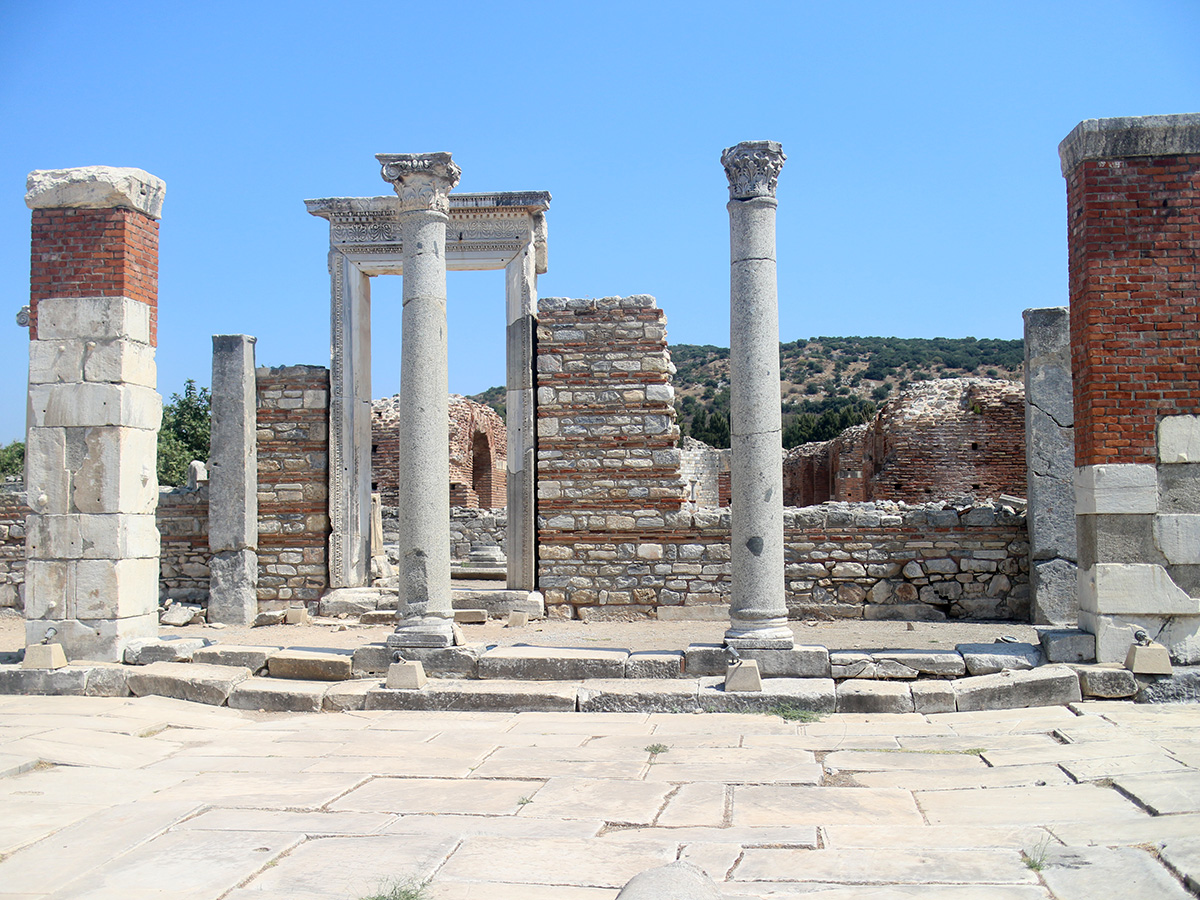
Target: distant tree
<point x="12" y="459"/>
<point x="185" y="433"/>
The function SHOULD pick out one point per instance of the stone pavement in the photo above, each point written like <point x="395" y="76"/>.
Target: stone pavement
<point x="139" y="798"/>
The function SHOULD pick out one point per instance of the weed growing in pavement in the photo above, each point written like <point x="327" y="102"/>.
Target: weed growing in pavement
<point x="400" y="890"/>
<point x="1036" y="860"/>
<point x="524" y="800"/>
<point x="655" y="749"/>
<point x="794" y="713"/>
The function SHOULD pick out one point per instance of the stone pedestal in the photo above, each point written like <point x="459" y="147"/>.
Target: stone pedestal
<point x="423" y="183"/>
<point x="92" y="545"/>
<point x="233" y="483"/>
<point x="1050" y="464"/>
<point x="758" y="612"/>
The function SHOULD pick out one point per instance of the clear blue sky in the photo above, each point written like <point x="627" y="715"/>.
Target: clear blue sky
<point x="921" y="197"/>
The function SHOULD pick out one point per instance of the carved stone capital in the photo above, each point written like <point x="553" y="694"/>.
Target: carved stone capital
<point x="421" y="180"/>
<point x="752" y="168"/>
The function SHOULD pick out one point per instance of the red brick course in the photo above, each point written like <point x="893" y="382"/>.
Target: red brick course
<point x="94" y="253"/>
<point x="1133" y="234"/>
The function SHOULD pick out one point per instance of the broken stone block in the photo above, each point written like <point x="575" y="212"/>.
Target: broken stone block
<point x="233" y="583"/>
<point x="552" y="663"/>
<point x="269" y="617"/>
<point x="143" y="651"/>
<point x="1067" y="645"/>
<point x="297" y="615"/>
<point x="984" y="659"/>
<point x="1107" y="682"/>
<point x="253" y="658"/>
<point x="44" y="656"/>
<point x="816" y="695"/>
<point x="408" y="675"/>
<point x="926" y="662"/>
<point x="517" y="619"/>
<point x="933" y="697"/>
<point x="862" y="695"/>
<point x="1048" y="686"/>
<point x="470" y="616"/>
<point x="187" y="681"/>
<point x="311" y="665"/>
<point x="680" y="879"/>
<point x="278" y="695"/>
<point x="654" y="664"/>
<point x="180" y="614"/>
<point x="1181" y="686"/>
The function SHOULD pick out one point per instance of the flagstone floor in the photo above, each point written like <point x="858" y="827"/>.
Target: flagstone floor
<point x="156" y="798"/>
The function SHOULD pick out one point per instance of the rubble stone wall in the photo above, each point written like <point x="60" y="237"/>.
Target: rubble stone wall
<point x="468" y="526"/>
<point x="183" y="528"/>
<point x="13" y="510"/>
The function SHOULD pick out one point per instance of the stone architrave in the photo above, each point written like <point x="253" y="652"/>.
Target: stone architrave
<point x="758" y="611"/>
<point x="233" y="483"/>
<point x="92" y="544"/>
<point x="423" y="182"/>
<point x="1050" y="464"/>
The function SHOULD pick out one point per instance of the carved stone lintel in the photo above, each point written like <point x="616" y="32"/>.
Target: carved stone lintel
<point x="421" y="180"/>
<point x="752" y="168"/>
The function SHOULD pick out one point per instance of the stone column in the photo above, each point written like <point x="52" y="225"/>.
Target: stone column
<point x="423" y="183"/>
<point x="757" y="612"/>
<point x="233" y="483"/>
<point x="1050" y="466"/>
<point x="92" y="544"/>
<point x="520" y="535"/>
<point x="349" y="424"/>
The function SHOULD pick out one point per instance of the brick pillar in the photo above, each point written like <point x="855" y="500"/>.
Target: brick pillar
<point x="1133" y="198"/>
<point x="92" y="543"/>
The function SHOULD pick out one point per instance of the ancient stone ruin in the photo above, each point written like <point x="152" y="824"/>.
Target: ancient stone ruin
<point x="962" y="499"/>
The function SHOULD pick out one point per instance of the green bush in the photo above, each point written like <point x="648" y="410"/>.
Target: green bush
<point x="185" y="434"/>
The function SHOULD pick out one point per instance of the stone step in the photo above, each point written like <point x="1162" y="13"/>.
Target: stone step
<point x="508" y="696"/>
<point x="187" y="681"/>
<point x="311" y="665"/>
<point x="279" y="695"/>
<point x="500" y="603"/>
<point x="251" y="657"/>
<point x="526" y="663"/>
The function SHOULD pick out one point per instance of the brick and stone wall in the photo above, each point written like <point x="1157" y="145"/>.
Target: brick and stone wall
<point x="467" y="526"/>
<point x="293" y="484"/>
<point x="1133" y="217"/>
<point x="701" y="467"/>
<point x="94" y="253"/>
<point x="478" y="453"/>
<point x="949" y="438"/>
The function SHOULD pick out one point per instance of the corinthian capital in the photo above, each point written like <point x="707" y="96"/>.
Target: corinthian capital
<point x="752" y="168"/>
<point x="421" y="180"/>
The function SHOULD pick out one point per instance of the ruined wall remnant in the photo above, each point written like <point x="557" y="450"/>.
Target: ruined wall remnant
<point x="701" y="467"/>
<point x="293" y="478"/>
<point x="937" y="440"/>
<point x="1050" y="460"/>
<point x="478" y="442"/>
<point x="13" y="510"/>
<point x="1133" y="215"/>
<point x="91" y="576"/>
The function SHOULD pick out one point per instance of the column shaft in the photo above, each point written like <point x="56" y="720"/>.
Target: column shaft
<point x="758" y="611"/>
<point x="520" y="535"/>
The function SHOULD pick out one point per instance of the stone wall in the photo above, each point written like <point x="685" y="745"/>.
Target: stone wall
<point x="13" y="510"/>
<point x="183" y="527"/>
<point x="293" y="484"/>
<point x="700" y="467"/>
<point x="467" y="526"/>
<point x="478" y="453"/>
<point x="867" y="561"/>
<point x="949" y="438"/>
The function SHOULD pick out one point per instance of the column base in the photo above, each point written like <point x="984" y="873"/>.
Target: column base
<point x="749" y="637"/>
<point x="423" y="631"/>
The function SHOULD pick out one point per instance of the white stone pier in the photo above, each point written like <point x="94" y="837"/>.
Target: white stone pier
<point x="423" y="183"/>
<point x="757" y="612"/>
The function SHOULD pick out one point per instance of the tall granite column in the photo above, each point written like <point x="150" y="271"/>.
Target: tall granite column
<point x="233" y="483"/>
<point x="423" y="182"/>
<point x="1050" y="466"/>
<point x="757" y="612"/>
<point x="520" y="540"/>
<point x="92" y="544"/>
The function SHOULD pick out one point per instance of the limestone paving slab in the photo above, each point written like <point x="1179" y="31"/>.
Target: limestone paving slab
<point x="515" y="827"/>
<point x="438" y="796"/>
<point x="786" y="804"/>
<point x="874" y="761"/>
<point x="1108" y="767"/>
<point x="1098" y="749"/>
<point x="549" y="762"/>
<point x="187" y="681"/>
<point x="311" y="824"/>
<point x="1163" y="793"/>
<point x="195" y="865"/>
<point x="584" y="863"/>
<point x="799" y="836"/>
<point x="1046" y="686"/>
<point x="494" y="890"/>
<point x="1182" y="856"/>
<point x="90" y="842"/>
<point x="694" y="804"/>
<point x="735" y="766"/>
<point x="85" y="747"/>
<point x="1015" y="806"/>
<point x="1008" y="776"/>
<point x="1085" y="873"/>
<point x="944" y="837"/>
<point x="883" y="866"/>
<point x="827" y="891"/>
<point x="746" y="724"/>
<point x="351" y="867"/>
<point x="293" y="790"/>
<point x="1127" y="832"/>
<point x="626" y="802"/>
